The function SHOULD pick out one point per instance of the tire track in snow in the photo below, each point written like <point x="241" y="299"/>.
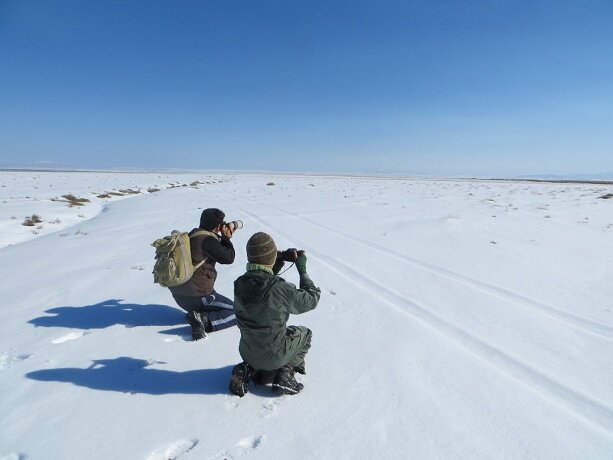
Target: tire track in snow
<point x="596" y="413"/>
<point x="577" y="322"/>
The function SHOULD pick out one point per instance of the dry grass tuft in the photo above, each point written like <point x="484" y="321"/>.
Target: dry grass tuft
<point x="74" y="201"/>
<point x="32" y="220"/>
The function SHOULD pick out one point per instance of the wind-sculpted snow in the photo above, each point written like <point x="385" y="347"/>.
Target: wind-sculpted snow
<point x="458" y="319"/>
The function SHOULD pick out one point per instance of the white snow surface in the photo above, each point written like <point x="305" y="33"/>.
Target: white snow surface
<point x="459" y="319"/>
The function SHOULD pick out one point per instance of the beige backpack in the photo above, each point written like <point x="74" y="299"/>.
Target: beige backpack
<point x="173" y="258"/>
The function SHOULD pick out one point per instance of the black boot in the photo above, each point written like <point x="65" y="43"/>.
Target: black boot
<point x="263" y="377"/>
<point x="200" y="324"/>
<point x="285" y="382"/>
<point x="241" y="375"/>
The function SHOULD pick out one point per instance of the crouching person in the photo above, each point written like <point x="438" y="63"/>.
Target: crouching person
<point x="263" y="302"/>
<point x="207" y="310"/>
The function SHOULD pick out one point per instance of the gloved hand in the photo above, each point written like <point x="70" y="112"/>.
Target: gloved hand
<point x="301" y="264"/>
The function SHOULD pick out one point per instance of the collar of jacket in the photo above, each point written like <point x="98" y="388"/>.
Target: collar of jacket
<point x="254" y="267"/>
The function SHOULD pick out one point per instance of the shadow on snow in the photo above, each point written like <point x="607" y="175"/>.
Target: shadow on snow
<point x="109" y="313"/>
<point x="131" y="375"/>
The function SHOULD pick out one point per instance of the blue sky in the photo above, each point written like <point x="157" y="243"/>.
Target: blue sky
<point x="442" y="87"/>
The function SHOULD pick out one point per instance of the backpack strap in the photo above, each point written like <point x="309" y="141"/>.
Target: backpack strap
<point x="203" y="233"/>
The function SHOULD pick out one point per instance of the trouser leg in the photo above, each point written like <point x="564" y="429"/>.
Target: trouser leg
<point x="187" y="303"/>
<point x="220" y="311"/>
<point x="301" y="342"/>
<point x="195" y="318"/>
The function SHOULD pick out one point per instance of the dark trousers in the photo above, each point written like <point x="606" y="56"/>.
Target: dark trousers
<point x="218" y="308"/>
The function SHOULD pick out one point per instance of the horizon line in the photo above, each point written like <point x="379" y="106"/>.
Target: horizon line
<point x="544" y="178"/>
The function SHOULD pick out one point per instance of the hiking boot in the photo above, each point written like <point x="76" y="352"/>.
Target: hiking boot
<point x="261" y="377"/>
<point x="285" y="382"/>
<point x="199" y="323"/>
<point x="241" y="375"/>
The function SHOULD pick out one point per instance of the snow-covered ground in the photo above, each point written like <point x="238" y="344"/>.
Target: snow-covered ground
<point x="458" y="319"/>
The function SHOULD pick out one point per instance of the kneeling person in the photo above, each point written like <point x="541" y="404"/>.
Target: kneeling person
<point x="207" y="310"/>
<point x="263" y="303"/>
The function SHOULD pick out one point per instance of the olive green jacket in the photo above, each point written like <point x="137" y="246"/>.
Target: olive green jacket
<point x="262" y="304"/>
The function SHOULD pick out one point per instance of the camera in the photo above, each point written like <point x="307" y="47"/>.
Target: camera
<point x="233" y="226"/>
<point x="290" y="255"/>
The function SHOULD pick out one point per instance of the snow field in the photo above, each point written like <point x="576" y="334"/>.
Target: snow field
<point x="458" y="319"/>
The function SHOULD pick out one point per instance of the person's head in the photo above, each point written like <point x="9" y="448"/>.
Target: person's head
<point x="211" y="218"/>
<point x="261" y="249"/>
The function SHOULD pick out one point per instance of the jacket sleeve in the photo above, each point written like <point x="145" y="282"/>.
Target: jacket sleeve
<point x="301" y="300"/>
<point x="279" y="263"/>
<point x="221" y="251"/>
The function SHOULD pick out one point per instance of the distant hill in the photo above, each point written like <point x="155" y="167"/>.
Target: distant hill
<point x="597" y="176"/>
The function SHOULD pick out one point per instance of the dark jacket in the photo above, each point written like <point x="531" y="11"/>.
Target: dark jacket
<point x="211" y="249"/>
<point x="262" y="304"/>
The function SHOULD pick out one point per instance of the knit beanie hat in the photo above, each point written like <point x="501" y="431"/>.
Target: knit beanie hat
<point x="211" y="218"/>
<point x="261" y="249"/>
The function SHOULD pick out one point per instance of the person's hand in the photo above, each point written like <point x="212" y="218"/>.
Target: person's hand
<point x="226" y="231"/>
<point x="301" y="263"/>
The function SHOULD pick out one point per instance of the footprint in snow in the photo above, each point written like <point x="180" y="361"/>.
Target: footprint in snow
<point x="8" y="359"/>
<point x="173" y="450"/>
<point x="13" y="457"/>
<point x="269" y="409"/>
<point x="249" y="443"/>
<point x="70" y="336"/>
<point x="223" y="455"/>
